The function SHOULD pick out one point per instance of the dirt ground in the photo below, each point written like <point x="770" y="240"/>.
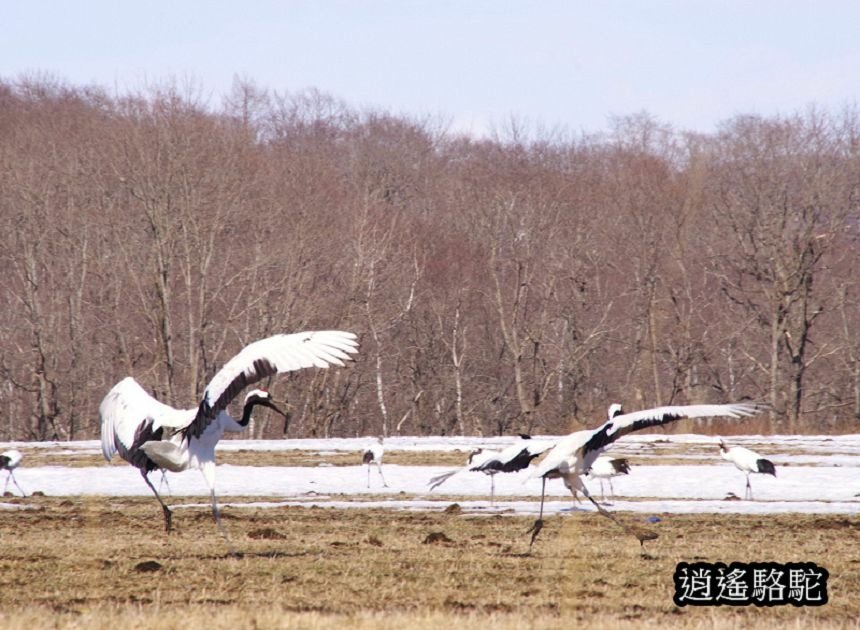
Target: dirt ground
<point x="99" y="562"/>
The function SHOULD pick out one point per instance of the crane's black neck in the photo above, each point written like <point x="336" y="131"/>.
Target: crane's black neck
<point x="249" y="407"/>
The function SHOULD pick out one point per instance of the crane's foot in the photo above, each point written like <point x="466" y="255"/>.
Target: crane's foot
<point x="535" y="530"/>
<point x="168" y="519"/>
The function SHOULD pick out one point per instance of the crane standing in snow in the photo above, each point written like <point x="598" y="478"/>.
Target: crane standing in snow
<point x="575" y="454"/>
<point x="605" y="467"/>
<point x="373" y="455"/>
<point x="151" y="435"/>
<point x="747" y="462"/>
<point x="9" y="461"/>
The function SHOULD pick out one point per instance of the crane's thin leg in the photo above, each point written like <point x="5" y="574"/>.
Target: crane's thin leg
<point x="368" y="475"/>
<point x="611" y="490"/>
<point x="12" y="475"/>
<point x="538" y="524"/>
<point x="208" y="471"/>
<point x="640" y="533"/>
<point x="492" y="490"/>
<point x="164" y="482"/>
<point x="379" y="468"/>
<point x="168" y="515"/>
<point x="748" y="493"/>
<point x="602" y="492"/>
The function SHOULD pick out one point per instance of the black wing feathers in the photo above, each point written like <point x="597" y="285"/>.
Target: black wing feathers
<point x="522" y="460"/>
<point x="621" y="466"/>
<point x="144" y="433"/>
<point x="766" y="466"/>
<point x="608" y="433"/>
<point x="207" y="412"/>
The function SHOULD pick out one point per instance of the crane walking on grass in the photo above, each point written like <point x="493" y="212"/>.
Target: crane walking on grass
<point x="9" y="461"/>
<point x="151" y="435"/>
<point x="373" y="455"/>
<point x="575" y="454"/>
<point x="747" y="462"/>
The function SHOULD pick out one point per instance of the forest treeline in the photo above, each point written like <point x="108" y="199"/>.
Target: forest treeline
<point x="520" y="282"/>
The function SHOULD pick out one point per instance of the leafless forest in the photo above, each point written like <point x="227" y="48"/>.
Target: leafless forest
<point x="519" y="283"/>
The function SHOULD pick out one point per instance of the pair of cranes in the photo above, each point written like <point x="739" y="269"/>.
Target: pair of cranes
<point x="577" y="454"/>
<point x="151" y="435"/>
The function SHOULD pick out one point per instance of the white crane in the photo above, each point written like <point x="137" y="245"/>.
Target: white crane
<point x="576" y="453"/>
<point x="9" y="461"/>
<point x="151" y="435"/>
<point x="373" y="455"/>
<point x="514" y="458"/>
<point x="747" y="462"/>
<point x="605" y="467"/>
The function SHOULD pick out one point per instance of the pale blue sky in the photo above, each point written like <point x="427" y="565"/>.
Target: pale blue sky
<point x="477" y="63"/>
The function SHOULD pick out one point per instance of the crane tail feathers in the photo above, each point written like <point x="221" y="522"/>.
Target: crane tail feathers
<point x="766" y="466"/>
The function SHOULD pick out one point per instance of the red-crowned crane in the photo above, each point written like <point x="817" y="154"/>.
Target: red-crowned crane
<point x="9" y="461"/>
<point x="605" y="467"/>
<point x="373" y="455"/>
<point x="570" y="458"/>
<point x="151" y="435"/>
<point x="747" y="462"/>
<point x="514" y="458"/>
<point x="477" y="456"/>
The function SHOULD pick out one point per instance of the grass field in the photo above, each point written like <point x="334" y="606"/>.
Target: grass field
<point x="94" y="563"/>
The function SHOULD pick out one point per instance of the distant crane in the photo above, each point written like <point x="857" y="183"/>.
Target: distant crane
<point x="514" y="458"/>
<point x="373" y="455"/>
<point x="605" y="467"/>
<point x="747" y="462"/>
<point x="9" y="461"/>
<point x="477" y="456"/>
<point x="151" y="435"/>
<point x="571" y="457"/>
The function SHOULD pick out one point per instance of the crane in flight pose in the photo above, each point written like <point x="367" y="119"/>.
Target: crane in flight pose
<point x="575" y="454"/>
<point x="513" y="458"/>
<point x="151" y="435"/>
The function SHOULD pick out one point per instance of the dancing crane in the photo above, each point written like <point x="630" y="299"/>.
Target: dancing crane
<point x="373" y="455"/>
<point x="151" y="435"/>
<point x="9" y="461"/>
<point x="514" y="458"/>
<point x="576" y="453"/>
<point x="747" y="462"/>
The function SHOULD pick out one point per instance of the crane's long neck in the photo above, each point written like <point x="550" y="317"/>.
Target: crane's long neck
<point x="246" y="412"/>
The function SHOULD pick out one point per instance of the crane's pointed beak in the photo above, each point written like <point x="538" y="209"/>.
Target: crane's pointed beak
<point x="271" y="405"/>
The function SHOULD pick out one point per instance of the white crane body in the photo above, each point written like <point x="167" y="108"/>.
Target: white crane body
<point x="151" y="435"/>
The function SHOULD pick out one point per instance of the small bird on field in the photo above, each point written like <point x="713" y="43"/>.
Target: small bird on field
<point x="373" y="455"/>
<point x="747" y="462"/>
<point x="9" y="461"/>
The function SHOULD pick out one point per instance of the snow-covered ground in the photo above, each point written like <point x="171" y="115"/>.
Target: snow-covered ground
<point x="815" y="474"/>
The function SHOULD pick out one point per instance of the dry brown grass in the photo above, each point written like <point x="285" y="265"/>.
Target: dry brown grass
<point x="103" y="562"/>
<point x="43" y="457"/>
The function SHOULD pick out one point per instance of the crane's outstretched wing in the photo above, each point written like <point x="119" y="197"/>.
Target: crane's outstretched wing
<point x="477" y="459"/>
<point x="623" y="424"/>
<point x="559" y="454"/>
<point x="130" y="416"/>
<point x="515" y="457"/>
<point x="266" y="357"/>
